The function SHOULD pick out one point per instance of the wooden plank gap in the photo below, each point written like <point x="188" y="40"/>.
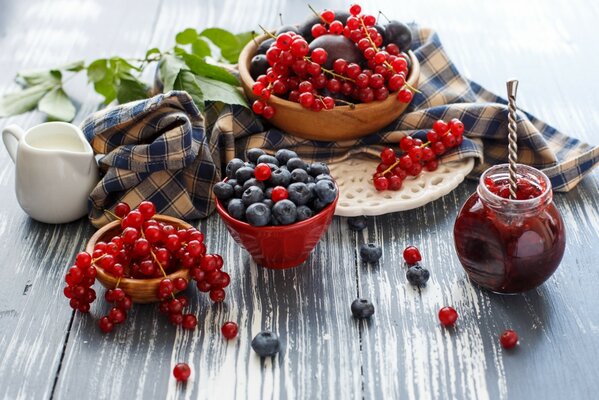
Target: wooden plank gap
<point x="62" y="353"/>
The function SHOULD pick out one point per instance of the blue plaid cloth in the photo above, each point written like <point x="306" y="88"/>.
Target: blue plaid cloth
<point x="163" y="150"/>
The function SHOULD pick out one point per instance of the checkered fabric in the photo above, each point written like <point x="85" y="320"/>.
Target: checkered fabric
<point x="163" y="150"/>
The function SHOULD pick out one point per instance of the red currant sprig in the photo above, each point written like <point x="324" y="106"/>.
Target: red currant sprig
<point x="416" y="155"/>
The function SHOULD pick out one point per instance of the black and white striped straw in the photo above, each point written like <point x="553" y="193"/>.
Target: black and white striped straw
<point x="512" y="88"/>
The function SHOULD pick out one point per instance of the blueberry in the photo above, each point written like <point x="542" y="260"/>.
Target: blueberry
<point x="317" y="204"/>
<point x="280" y="177"/>
<point x="236" y="209"/>
<point x="268" y="203"/>
<point x="299" y="193"/>
<point x="233" y="166"/>
<point x="268" y="193"/>
<point x="266" y="344"/>
<point x="299" y="175"/>
<point x="318" y="168"/>
<point x="304" y="212"/>
<point x="417" y="275"/>
<point x="326" y="191"/>
<point x="266" y="159"/>
<point x="253" y="154"/>
<point x="370" y="252"/>
<point x="238" y="191"/>
<point x="310" y="179"/>
<point x="223" y="190"/>
<point x="250" y="164"/>
<point x="285" y="155"/>
<point x="243" y="174"/>
<point x="312" y="187"/>
<point x="252" y="195"/>
<point x="357" y="223"/>
<point x="297" y="162"/>
<point x="285" y="211"/>
<point x="323" y="177"/>
<point x="253" y="182"/>
<point x="273" y="220"/>
<point x="257" y="214"/>
<point x="362" y="308"/>
<point x="232" y="182"/>
<point x="272" y="166"/>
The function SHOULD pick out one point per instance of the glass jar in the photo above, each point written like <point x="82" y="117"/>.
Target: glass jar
<point x="506" y="245"/>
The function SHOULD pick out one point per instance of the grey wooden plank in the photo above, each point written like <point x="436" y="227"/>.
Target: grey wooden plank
<point x="34" y="316"/>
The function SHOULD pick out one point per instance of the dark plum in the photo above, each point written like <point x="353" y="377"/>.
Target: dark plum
<point x="258" y="66"/>
<point x="398" y="33"/>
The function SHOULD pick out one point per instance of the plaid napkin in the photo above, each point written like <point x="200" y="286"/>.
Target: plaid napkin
<point x="162" y="149"/>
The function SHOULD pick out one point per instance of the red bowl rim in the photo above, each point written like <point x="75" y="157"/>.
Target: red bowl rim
<point x="276" y="228"/>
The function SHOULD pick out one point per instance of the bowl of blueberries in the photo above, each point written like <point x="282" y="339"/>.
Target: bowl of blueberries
<point x="276" y="206"/>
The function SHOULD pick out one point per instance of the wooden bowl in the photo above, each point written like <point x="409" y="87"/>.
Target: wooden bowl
<point x="140" y="290"/>
<point x="340" y="123"/>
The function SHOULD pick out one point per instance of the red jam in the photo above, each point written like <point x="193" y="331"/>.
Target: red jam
<point x="510" y="245"/>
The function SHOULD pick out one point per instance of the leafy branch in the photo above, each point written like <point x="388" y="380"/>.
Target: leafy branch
<point x="194" y="65"/>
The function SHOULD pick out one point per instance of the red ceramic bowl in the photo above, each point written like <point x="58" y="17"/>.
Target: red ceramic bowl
<point x="283" y="246"/>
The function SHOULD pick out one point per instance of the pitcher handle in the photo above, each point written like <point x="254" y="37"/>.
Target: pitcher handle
<point x="11" y="136"/>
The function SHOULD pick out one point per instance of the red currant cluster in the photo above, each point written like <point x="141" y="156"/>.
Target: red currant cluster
<point x="146" y="248"/>
<point x="300" y="76"/>
<point x="393" y="169"/>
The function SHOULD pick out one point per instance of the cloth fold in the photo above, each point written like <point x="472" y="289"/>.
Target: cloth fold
<point x="163" y="150"/>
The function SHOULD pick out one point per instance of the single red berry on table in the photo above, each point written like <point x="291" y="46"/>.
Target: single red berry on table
<point x="229" y="330"/>
<point x="412" y="255"/>
<point x="217" y="295"/>
<point x="189" y="321"/>
<point x="448" y="316"/>
<point x="181" y="372"/>
<point x="508" y="339"/>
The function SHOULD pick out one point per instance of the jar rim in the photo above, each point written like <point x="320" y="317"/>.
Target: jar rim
<point x="523" y="170"/>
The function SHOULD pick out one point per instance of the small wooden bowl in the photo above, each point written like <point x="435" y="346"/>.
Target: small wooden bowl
<point x="140" y="290"/>
<point x="340" y="123"/>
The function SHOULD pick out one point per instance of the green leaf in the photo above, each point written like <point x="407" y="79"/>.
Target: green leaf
<point x="228" y="43"/>
<point x="36" y="77"/>
<point x="131" y="89"/>
<point x="187" y="36"/>
<point x="169" y="69"/>
<point x="57" y="105"/>
<point x="96" y="71"/>
<point x="200" y="48"/>
<point x="106" y="86"/>
<point x="75" y="66"/>
<point x="244" y="38"/>
<point x="219" y="91"/>
<point x="187" y="81"/>
<point x="25" y="100"/>
<point x="120" y="65"/>
<point x="152" y="51"/>
<point x="202" y="68"/>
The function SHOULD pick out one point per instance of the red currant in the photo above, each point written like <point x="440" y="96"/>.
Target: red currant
<point x="441" y="127"/>
<point x="147" y="209"/>
<point x="268" y="112"/>
<point x="456" y="126"/>
<point x="319" y="55"/>
<point x="508" y="339"/>
<point x="279" y="193"/>
<point x="229" y="330"/>
<point x="388" y="156"/>
<point x="404" y="95"/>
<point x="122" y="209"/>
<point x="189" y="322"/>
<point x="262" y="172"/>
<point x="217" y="295"/>
<point x="355" y="10"/>
<point x="105" y="325"/>
<point x="412" y="255"/>
<point x="83" y="260"/>
<point x="448" y="316"/>
<point x="181" y="372"/>
<point x="381" y="183"/>
<point x="318" y="30"/>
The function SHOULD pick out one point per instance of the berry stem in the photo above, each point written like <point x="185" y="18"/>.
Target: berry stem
<point x="317" y="14"/>
<point x="381" y="13"/>
<point x="267" y="32"/>
<point x="328" y="71"/>
<point x="113" y="214"/>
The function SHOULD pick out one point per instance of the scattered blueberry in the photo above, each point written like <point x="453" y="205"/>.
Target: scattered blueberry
<point x="299" y="193"/>
<point x="326" y="191"/>
<point x="417" y="275"/>
<point x="370" y="252"/>
<point x="318" y="168"/>
<point x="357" y="223"/>
<point x="362" y="308"/>
<point x="266" y="344"/>
<point x="303" y="213"/>
<point x="233" y="166"/>
<point x="236" y="209"/>
<point x="243" y="174"/>
<point x="223" y="191"/>
<point x="285" y="155"/>
<point x="299" y="175"/>
<point x="253" y="154"/>
<point x="266" y="159"/>
<point x="252" y="195"/>
<point x="297" y="162"/>
<point x="285" y="211"/>
<point x="257" y="214"/>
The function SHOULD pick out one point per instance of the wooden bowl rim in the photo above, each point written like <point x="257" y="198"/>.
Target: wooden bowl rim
<point x="244" y="73"/>
<point x="103" y="276"/>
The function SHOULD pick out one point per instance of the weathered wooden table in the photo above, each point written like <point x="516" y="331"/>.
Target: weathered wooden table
<point x="47" y="351"/>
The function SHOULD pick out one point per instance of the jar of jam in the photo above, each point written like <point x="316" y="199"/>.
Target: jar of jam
<point x="510" y="245"/>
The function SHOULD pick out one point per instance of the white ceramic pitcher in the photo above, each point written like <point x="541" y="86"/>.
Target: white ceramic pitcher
<point x="55" y="170"/>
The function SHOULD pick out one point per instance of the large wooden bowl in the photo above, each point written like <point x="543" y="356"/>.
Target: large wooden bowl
<point x="140" y="290"/>
<point x="340" y="123"/>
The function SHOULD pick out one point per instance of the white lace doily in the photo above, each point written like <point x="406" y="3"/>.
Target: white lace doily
<point x="357" y="195"/>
